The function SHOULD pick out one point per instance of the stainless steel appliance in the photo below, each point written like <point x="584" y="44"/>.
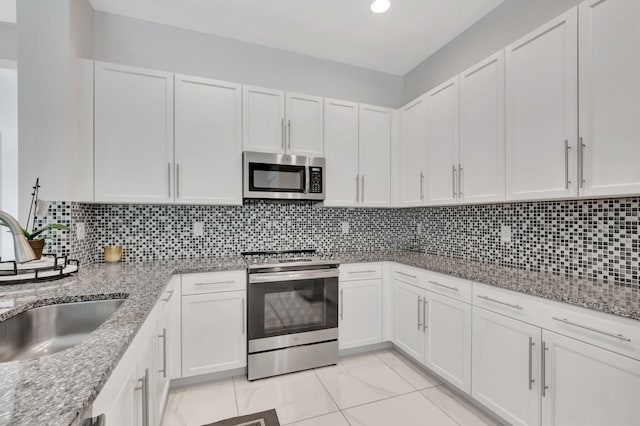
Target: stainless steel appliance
<point x="283" y="176"/>
<point x="292" y="312"/>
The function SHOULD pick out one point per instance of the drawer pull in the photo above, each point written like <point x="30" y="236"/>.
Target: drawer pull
<point x="586" y="327"/>
<point x="444" y="286"/>
<point x="216" y="283"/>
<point x="369" y="271"/>
<point x="500" y="302"/>
<point x="407" y="275"/>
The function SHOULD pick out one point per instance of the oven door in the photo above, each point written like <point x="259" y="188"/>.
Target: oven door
<point x="294" y="302"/>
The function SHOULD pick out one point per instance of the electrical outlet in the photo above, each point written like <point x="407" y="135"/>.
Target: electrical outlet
<point x="80" y="231"/>
<point x="345" y="227"/>
<point x="505" y="233"/>
<point x="198" y="229"/>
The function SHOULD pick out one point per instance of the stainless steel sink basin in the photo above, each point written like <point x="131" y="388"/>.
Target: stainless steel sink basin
<point x="50" y="329"/>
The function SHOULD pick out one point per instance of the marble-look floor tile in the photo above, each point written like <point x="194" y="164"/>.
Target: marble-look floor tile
<point x="333" y="419"/>
<point x="458" y="409"/>
<point x="295" y="396"/>
<point x="200" y="404"/>
<point x="361" y="379"/>
<point x="409" y="409"/>
<point x="417" y="377"/>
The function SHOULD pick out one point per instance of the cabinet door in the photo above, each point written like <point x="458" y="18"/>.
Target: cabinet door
<point x="375" y="156"/>
<point x="341" y="153"/>
<point x="448" y="345"/>
<point x="208" y="141"/>
<point x="360" y="313"/>
<point x="609" y="93"/>
<point x="413" y="152"/>
<point x="482" y="143"/>
<point x="145" y="390"/>
<point x="505" y="357"/>
<point x="133" y="134"/>
<point x="408" y="319"/>
<point x="588" y="386"/>
<point x="304" y="125"/>
<point x="213" y="332"/>
<point x="174" y="329"/>
<point x="263" y="123"/>
<point x="124" y="406"/>
<point x="160" y="372"/>
<point x="542" y="119"/>
<point x="442" y="143"/>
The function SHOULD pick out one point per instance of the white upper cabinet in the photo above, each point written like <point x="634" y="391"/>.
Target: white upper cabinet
<point x="133" y="134"/>
<point x="541" y="118"/>
<point x="442" y="144"/>
<point x="263" y="122"/>
<point x="341" y="153"/>
<point x="482" y="141"/>
<point x="374" y="155"/>
<point x="609" y="93"/>
<point x="413" y="152"/>
<point x="208" y="141"/>
<point x="304" y="125"/>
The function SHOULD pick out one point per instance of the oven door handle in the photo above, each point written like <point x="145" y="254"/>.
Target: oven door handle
<point x="292" y="276"/>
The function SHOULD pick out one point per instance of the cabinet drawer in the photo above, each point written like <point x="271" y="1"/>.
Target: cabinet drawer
<point x="515" y="305"/>
<point x="213" y="282"/>
<point x="360" y="271"/>
<point x="410" y="275"/>
<point x="449" y="286"/>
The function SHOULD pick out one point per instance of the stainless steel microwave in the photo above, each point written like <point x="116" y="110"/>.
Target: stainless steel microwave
<point x="283" y="176"/>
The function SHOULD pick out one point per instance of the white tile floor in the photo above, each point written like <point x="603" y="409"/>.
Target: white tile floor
<point x="378" y="388"/>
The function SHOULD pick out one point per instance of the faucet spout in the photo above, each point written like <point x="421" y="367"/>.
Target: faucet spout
<point x="22" y="249"/>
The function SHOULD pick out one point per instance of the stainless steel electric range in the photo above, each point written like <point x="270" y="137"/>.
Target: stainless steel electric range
<point x="292" y="312"/>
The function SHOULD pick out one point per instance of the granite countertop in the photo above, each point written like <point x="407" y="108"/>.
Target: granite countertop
<point x="56" y="389"/>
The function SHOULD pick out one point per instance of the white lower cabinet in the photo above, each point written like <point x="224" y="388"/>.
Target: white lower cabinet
<point x="360" y="313"/>
<point x="588" y="386"/>
<point x="166" y="337"/>
<point x="506" y="356"/>
<point x="407" y="319"/>
<point x="213" y="332"/>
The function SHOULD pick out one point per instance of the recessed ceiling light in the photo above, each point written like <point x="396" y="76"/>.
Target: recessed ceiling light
<point x="380" y="6"/>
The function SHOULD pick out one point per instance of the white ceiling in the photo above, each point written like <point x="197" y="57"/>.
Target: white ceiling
<point x="339" y="30"/>
<point x="8" y="11"/>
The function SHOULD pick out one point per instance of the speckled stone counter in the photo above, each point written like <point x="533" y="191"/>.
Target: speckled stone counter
<point x="603" y="296"/>
<point x="56" y="389"/>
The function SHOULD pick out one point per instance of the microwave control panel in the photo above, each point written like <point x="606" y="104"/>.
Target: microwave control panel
<point x="315" y="180"/>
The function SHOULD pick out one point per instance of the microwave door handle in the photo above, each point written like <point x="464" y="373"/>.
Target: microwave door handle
<point x="307" y="178"/>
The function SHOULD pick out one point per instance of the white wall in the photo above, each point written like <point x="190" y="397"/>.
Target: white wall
<point x="145" y="44"/>
<point x="502" y="26"/>
<point x="8" y="151"/>
<point x="8" y="41"/>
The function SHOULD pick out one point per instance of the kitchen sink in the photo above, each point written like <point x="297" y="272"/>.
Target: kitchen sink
<point x="50" y="329"/>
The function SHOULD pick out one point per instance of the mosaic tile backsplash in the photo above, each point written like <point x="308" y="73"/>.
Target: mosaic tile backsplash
<point x="588" y="238"/>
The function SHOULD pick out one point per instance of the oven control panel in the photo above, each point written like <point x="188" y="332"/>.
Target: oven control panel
<point x="315" y="180"/>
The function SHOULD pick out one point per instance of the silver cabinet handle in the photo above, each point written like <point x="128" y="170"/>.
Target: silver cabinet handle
<point x="169" y="180"/>
<point x="419" y="303"/>
<point x="357" y="188"/>
<point x="407" y="275"/>
<point x="100" y="420"/>
<point x="163" y="336"/>
<point x="567" y="182"/>
<point x="500" y="302"/>
<point x="543" y="367"/>
<point x="453" y="180"/>
<point x="341" y="301"/>
<point x="243" y="316"/>
<point x="425" y="304"/>
<point x="216" y="283"/>
<point x="289" y="127"/>
<point x="444" y="286"/>
<point x="168" y="297"/>
<point x="531" y="379"/>
<point x="459" y="180"/>
<point x="595" y="330"/>
<point x="282" y="136"/>
<point x="362" y="191"/>
<point x="421" y="186"/>
<point x="144" y="387"/>
<point x="581" y="147"/>
<point x="368" y="271"/>
<point x="177" y="180"/>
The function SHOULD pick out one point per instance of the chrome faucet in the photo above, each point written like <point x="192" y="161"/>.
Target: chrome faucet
<point x="22" y="249"/>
